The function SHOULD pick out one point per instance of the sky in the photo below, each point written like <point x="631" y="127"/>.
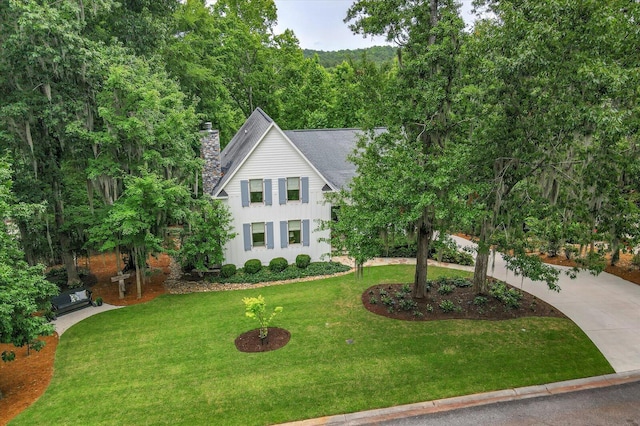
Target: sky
<point x="319" y="25"/>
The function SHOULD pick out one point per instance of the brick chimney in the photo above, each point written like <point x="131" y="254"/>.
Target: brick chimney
<point x="212" y="171"/>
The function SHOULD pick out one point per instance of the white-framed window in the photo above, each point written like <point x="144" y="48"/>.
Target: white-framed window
<point x="295" y="231"/>
<point x="256" y="191"/>
<point x="293" y="189"/>
<point x="258" y="235"/>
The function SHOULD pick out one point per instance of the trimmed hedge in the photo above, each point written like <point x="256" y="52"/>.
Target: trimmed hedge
<point x="292" y="272"/>
<point x="227" y="271"/>
<point x="303" y="261"/>
<point x="278" y="264"/>
<point x="252" y="266"/>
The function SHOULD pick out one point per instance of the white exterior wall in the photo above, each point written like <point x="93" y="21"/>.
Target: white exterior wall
<point x="275" y="157"/>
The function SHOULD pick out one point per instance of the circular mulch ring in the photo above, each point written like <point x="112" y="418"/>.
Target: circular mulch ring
<point x="250" y="341"/>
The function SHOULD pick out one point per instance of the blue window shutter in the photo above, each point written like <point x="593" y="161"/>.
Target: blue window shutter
<point x="282" y="190"/>
<point x="268" y="196"/>
<point x="284" y="240"/>
<point x="246" y="234"/>
<point x="244" y="192"/>
<point x="304" y="184"/>
<point x="269" y="235"/>
<point x="306" y="236"/>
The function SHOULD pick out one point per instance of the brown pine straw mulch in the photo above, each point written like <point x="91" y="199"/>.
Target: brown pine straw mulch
<point x="24" y="380"/>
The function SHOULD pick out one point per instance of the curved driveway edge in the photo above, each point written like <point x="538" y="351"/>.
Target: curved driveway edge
<point x="64" y="322"/>
<point x="605" y="307"/>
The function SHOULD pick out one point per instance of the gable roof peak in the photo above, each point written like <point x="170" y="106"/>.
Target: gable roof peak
<point x="242" y="143"/>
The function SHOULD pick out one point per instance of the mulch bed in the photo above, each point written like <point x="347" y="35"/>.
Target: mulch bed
<point x="250" y="341"/>
<point x="428" y="309"/>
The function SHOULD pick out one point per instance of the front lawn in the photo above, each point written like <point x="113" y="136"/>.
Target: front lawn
<point x="173" y="360"/>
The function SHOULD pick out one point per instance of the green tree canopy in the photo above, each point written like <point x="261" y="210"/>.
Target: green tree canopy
<point x="24" y="291"/>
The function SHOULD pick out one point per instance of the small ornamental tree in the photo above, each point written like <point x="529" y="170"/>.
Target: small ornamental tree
<point x="210" y="229"/>
<point x="257" y="308"/>
<point x="24" y="291"/>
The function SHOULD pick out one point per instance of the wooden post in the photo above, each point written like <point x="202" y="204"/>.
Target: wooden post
<point x="120" y="278"/>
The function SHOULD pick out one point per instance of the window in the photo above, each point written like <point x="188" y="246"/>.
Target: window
<point x="256" y="194"/>
<point x="335" y="211"/>
<point x="257" y="235"/>
<point x="294" y="232"/>
<point x="293" y="189"/>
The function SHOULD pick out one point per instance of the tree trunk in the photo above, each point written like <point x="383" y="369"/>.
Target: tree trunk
<point x="482" y="260"/>
<point x="615" y="251"/>
<point x="73" y="279"/>
<point x="615" y="246"/>
<point x="425" y="233"/>
<point x="138" y="283"/>
<point x="118" y="261"/>
<point x="359" y="270"/>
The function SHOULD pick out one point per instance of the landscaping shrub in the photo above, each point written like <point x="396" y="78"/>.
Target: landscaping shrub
<point x="442" y="250"/>
<point x="256" y="308"/>
<point x="408" y="304"/>
<point x="446" y="289"/>
<point x="292" y="272"/>
<point x="228" y="270"/>
<point x="446" y="250"/>
<point x="480" y="300"/>
<point x="462" y="282"/>
<point x="8" y="356"/>
<point x="447" y="306"/>
<point x="594" y="261"/>
<point x="278" y="264"/>
<point x="303" y="261"/>
<point x="510" y="297"/>
<point x="252" y="266"/>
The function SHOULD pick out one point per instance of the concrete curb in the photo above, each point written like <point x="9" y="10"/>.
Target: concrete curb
<point x="440" y="405"/>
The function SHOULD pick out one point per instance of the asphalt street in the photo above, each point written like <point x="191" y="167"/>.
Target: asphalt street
<point x="607" y="406"/>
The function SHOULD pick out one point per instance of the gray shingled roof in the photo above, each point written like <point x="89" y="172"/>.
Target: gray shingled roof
<point x="242" y="143"/>
<point x="326" y="149"/>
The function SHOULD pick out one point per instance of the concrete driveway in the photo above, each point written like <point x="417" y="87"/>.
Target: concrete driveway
<point x="605" y="307"/>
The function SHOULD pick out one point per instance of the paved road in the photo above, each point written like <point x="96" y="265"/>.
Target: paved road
<point x="614" y="405"/>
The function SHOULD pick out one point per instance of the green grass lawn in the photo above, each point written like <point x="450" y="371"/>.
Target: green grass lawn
<point x="173" y="360"/>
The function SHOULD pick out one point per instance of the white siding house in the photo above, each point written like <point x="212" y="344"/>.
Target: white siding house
<point x="274" y="183"/>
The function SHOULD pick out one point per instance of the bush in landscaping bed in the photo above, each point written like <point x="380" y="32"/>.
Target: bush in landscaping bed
<point x="228" y="270"/>
<point x="447" y="251"/>
<point x="292" y="272"/>
<point x="278" y="264"/>
<point x="510" y="297"/>
<point x="252" y="266"/>
<point x="303" y="260"/>
<point x="441" y="250"/>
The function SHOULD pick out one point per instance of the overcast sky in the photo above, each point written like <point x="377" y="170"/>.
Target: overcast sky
<point x="319" y="25"/>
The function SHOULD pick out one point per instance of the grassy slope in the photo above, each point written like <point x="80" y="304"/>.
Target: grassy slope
<point x="173" y="360"/>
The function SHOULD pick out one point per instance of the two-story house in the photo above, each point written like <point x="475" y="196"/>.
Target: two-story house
<point x="274" y="183"/>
